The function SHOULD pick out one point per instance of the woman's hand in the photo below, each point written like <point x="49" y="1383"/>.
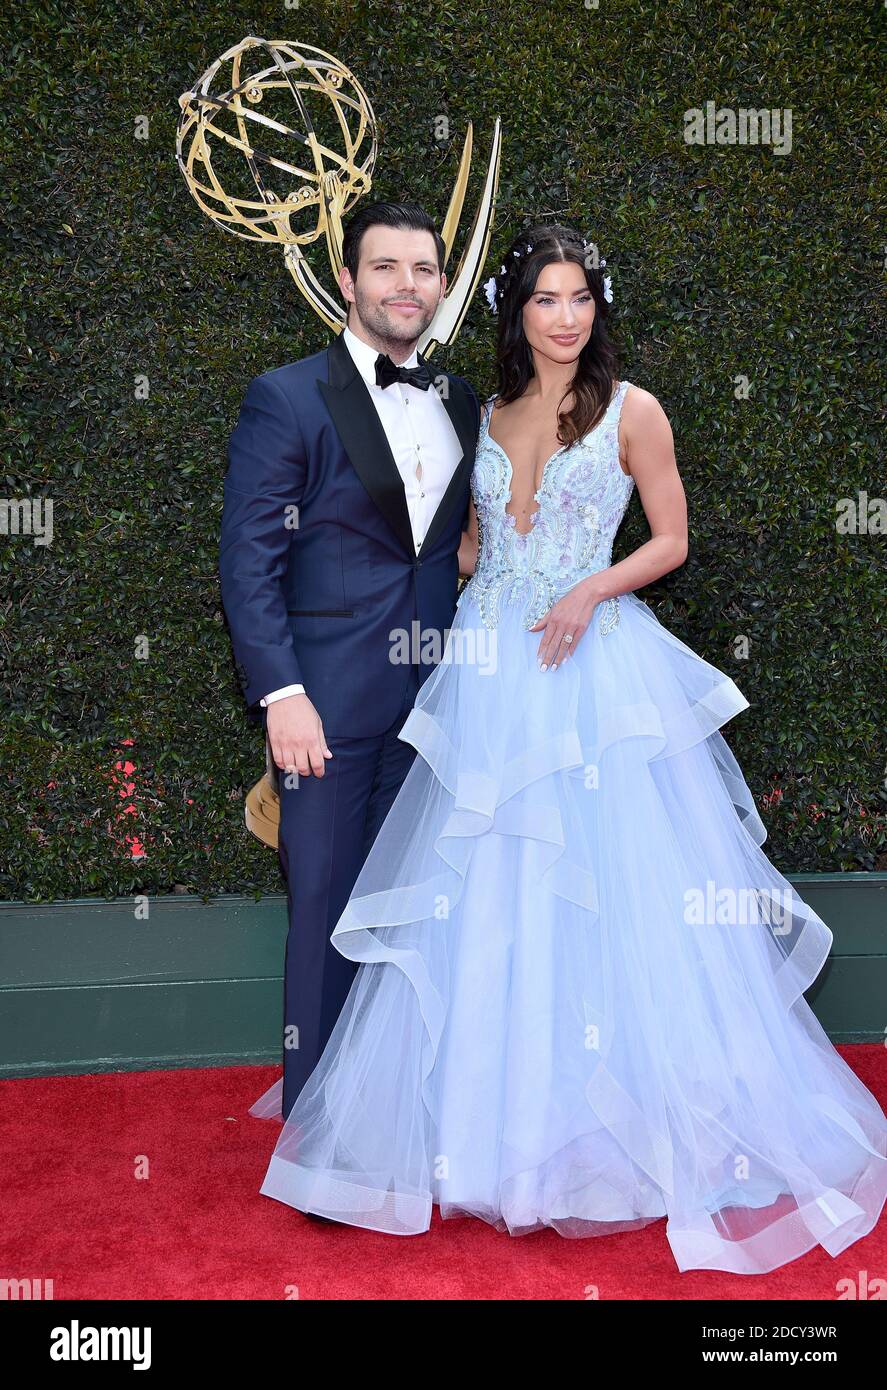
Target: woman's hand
<point x="569" y="617"/>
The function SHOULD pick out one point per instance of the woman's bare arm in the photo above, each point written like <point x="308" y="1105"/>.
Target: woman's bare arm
<point x="468" y="543"/>
<point x="651" y="462"/>
<point x="649" y="447"/>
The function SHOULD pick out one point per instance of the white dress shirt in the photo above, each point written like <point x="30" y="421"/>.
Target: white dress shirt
<point x="422" y="440"/>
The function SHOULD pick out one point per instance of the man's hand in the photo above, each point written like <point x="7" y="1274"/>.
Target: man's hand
<point x="295" y="734"/>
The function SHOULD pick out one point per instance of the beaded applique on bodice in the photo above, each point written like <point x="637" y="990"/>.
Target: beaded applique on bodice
<point x="581" y="501"/>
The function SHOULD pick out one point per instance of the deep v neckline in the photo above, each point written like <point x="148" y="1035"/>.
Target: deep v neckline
<point x="495" y="442"/>
<point x="549" y="460"/>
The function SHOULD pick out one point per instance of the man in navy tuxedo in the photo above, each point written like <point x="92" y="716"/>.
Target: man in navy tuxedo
<point x="344" y="505"/>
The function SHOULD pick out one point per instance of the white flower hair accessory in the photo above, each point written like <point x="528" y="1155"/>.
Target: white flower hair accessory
<point x="492" y="287"/>
<point x="608" y="287"/>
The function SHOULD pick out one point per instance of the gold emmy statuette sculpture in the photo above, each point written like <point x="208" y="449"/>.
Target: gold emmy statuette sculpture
<point x="284" y="173"/>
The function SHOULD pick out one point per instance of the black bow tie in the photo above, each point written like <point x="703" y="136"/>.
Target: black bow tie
<point x="388" y="372"/>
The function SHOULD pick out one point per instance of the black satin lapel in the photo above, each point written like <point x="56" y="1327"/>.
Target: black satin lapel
<point x="364" y="440"/>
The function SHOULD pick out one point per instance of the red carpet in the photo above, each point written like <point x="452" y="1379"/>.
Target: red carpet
<point x="145" y="1185"/>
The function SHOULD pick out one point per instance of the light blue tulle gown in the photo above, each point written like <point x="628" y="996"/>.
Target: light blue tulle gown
<point x="580" y="1003"/>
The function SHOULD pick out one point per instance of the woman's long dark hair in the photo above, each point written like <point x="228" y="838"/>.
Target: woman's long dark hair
<point x="596" y="368"/>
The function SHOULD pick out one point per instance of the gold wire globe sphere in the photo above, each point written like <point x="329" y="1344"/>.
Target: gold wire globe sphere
<point x="272" y="133"/>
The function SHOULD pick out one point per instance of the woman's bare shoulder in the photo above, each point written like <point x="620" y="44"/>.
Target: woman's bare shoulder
<point x="640" y="401"/>
<point x="641" y="410"/>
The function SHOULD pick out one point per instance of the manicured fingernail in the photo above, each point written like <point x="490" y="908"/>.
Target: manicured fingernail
<point x="554" y="666"/>
<point x="543" y="667"/>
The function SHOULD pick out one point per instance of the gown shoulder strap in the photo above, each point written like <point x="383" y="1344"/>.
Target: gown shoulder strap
<point x="487" y="407"/>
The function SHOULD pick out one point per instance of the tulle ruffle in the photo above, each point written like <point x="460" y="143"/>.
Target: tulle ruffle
<point x="595" y="1015"/>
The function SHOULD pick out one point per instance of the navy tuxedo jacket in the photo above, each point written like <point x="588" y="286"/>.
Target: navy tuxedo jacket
<point x="318" y="566"/>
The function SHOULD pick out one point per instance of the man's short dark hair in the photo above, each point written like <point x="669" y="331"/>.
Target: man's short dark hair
<point x="408" y="216"/>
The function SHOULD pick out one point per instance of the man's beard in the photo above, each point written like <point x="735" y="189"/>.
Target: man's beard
<point x="381" y="323"/>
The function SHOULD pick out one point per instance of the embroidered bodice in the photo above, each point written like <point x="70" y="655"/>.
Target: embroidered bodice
<point x="581" y="501"/>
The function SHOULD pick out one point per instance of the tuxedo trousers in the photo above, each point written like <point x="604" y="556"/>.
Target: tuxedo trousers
<point x="327" y="828"/>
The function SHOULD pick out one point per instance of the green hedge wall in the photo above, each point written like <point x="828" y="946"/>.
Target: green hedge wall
<point x="727" y="261"/>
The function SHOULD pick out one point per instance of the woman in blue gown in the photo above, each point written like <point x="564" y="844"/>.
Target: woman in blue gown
<point x="580" y="1002"/>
